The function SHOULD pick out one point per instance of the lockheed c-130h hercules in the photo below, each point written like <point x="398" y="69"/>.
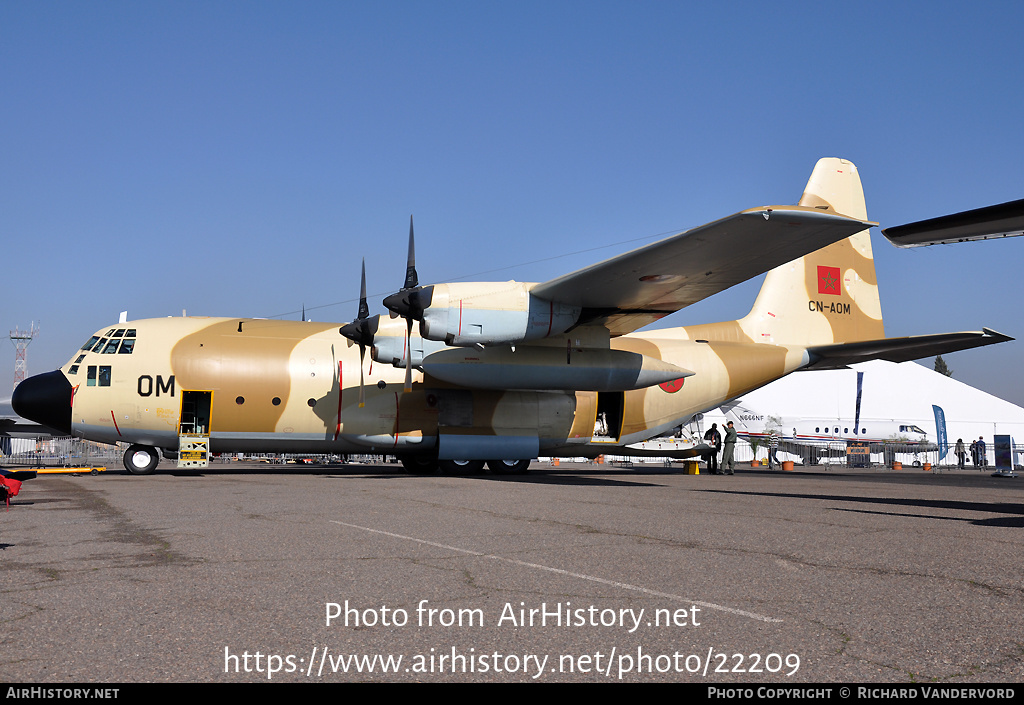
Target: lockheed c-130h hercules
<point x="499" y="373"/>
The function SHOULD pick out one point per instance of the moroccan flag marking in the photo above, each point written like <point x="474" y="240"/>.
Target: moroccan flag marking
<point x="828" y="280"/>
<point x="672" y="386"/>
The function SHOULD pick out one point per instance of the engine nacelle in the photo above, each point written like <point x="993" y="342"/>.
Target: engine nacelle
<point x="389" y="344"/>
<point x="390" y="350"/>
<point x="492" y="313"/>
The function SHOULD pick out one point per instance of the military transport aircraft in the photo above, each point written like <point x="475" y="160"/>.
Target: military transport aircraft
<point x="499" y="372"/>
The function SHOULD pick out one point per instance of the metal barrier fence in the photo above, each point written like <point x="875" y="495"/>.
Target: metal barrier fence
<point x="834" y="453"/>
<point x="63" y="452"/>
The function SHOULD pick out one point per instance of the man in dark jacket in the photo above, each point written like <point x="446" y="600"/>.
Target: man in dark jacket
<point x="714" y="439"/>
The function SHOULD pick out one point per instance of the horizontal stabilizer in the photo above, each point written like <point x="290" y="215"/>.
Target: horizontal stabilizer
<point x="1004" y="220"/>
<point x="914" y="347"/>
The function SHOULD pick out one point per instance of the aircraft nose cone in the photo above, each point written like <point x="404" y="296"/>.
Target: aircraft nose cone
<point x="45" y="399"/>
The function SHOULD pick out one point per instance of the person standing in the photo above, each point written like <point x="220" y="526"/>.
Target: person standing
<point x="961" y="454"/>
<point x="730" y="449"/>
<point x="974" y="453"/>
<point x="714" y="439"/>
<point x="773" y="444"/>
<point x="982" y="456"/>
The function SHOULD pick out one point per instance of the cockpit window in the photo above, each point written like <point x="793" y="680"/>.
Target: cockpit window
<point x="127" y="345"/>
<point x="73" y="370"/>
<point x="92" y="341"/>
<point x="79" y="358"/>
<point x="99" y="345"/>
<point x="110" y="332"/>
<point x="119" y="332"/>
<point x="111" y="347"/>
<point x="130" y="333"/>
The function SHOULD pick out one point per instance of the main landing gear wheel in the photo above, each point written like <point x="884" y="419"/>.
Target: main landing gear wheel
<point x="419" y="464"/>
<point x="141" y="460"/>
<point x="461" y="467"/>
<point x="508" y="467"/>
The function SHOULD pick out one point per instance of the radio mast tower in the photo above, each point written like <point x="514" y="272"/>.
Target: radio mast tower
<point x="21" y="339"/>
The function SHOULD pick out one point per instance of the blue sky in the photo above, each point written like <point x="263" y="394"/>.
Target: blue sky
<point x="239" y="158"/>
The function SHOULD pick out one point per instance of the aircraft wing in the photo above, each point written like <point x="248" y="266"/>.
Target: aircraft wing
<point x="1004" y="220"/>
<point x="829" y="357"/>
<point x="627" y="292"/>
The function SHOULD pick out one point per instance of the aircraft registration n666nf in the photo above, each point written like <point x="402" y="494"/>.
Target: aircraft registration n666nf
<point x="499" y="373"/>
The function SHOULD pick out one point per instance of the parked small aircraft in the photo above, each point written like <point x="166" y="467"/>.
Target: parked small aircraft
<point x="877" y="402"/>
<point x="500" y="372"/>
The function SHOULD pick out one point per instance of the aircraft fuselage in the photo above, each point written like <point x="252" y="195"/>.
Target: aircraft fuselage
<point x="285" y="386"/>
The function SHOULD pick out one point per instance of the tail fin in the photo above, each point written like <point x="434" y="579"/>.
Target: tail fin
<point x="831" y="295"/>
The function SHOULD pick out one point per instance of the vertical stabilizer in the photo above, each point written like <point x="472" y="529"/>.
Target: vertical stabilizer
<point x="831" y="295"/>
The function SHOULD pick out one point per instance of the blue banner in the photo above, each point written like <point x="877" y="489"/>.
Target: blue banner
<point x="940" y="430"/>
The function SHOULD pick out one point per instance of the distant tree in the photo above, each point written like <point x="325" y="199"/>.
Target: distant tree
<point x="941" y="367"/>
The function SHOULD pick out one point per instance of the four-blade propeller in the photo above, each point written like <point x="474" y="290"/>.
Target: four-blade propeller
<point x="409" y="303"/>
<point x="361" y="330"/>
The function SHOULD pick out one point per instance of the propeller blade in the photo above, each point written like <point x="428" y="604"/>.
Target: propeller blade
<point x="363" y="328"/>
<point x="412" y="280"/>
<point x="411" y="300"/>
<point x="362" y="394"/>
<point x="364" y="310"/>
<point x="408" y="355"/>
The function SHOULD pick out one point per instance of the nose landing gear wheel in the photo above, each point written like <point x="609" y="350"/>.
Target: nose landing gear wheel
<point x="141" y="460"/>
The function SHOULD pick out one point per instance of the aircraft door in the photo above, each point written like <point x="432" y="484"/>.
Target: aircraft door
<point x="194" y="429"/>
<point x="608" y="422"/>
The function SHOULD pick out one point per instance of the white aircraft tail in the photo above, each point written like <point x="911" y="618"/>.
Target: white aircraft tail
<point x="831" y="295"/>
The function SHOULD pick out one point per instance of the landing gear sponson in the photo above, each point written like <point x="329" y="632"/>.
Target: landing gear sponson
<point x="427" y="465"/>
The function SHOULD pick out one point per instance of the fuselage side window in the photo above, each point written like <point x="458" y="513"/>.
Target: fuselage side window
<point x="104" y="376"/>
<point x="90" y="376"/>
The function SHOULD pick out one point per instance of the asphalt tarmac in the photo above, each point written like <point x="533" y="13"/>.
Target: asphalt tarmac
<point x="570" y="573"/>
